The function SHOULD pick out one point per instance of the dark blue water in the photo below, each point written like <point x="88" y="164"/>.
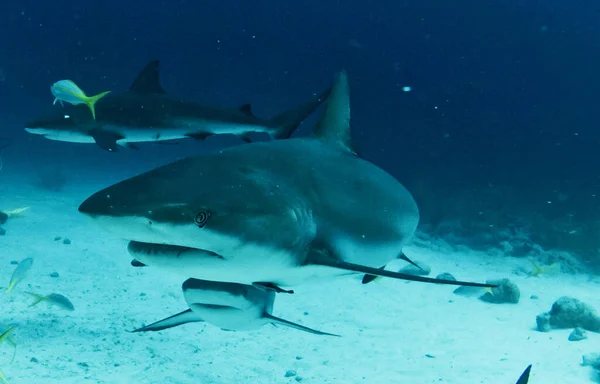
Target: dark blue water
<point x="500" y="130"/>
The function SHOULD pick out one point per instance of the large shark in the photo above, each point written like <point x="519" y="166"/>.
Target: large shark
<point x="146" y="113"/>
<point x="276" y="213"/>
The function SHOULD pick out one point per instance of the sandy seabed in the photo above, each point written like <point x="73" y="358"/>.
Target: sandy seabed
<point x="393" y="331"/>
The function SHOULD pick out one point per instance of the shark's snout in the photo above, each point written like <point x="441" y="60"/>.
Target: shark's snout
<point x="98" y="204"/>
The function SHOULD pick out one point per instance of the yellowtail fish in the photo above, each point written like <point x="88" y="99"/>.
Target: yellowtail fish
<point x="53" y="299"/>
<point x="6" y="336"/>
<point x="3" y="378"/>
<point x="15" y="212"/>
<point x="20" y="273"/>
<point x="67" y="90"/>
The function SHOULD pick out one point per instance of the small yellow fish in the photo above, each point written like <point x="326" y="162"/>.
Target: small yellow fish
<point x="67" y="90"/>
<point x="3" y="378"/>
<point x="16" y="212"/>
<point x="20" y="273"/>
<point x="6" y="336"/>
<point x="538" y="270"/>
<point x="53" y="298"/>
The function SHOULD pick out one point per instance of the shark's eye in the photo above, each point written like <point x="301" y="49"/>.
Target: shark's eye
<point x="201" y="218"/>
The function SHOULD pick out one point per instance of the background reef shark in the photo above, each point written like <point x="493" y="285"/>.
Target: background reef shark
<point x="273" y="214"/>
<point x="146" y="113"/>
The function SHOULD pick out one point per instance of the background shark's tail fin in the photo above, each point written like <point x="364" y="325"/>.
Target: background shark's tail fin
<point x="91" y="102"/>
<point x="286" y="123"/>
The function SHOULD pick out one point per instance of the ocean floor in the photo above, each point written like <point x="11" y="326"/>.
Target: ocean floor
<point x="393" y="331"/>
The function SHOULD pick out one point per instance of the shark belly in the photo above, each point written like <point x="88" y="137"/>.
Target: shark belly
<point x="66" y="135"/>
<point x="145" y="134"/>
<point x="230" y="318"/>
<point x="249" y="265"/>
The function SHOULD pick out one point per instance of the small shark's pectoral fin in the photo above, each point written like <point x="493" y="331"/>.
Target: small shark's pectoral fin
<point x="199" y="135"/>
<point x="322" y="258"/>
<point x="277" y="320"/>
<point x="147" y="81"/>
<point x="271" y="287"/>
<point x="368" y="278"/>
<point x="524" y="379"/>
<point x="247" y="109"/>
<point x="137" y="263"/>
<point x="402" y="256"/>
<point x="181" y="318"/>
<point x="106" y="140"/>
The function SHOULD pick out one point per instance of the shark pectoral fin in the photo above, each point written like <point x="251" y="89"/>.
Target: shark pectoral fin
<point x="402" y="256"/>
<point x="322" y="259"/>
<point x="106" y="140"/>
<point x="277" y="320"/>
<point x="368" y="278"/>
<point x="90" y="101"/>
<point x="199" y="135"/>
<point x="181" y="318"/>
<point x="137" y="263"/>
<point x="246" y="109"/>
<point x="524" y="379"/>
<point x="271" y="287"/>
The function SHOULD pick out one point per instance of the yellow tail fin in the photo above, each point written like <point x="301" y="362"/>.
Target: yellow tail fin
<point x="91" y="102"/>
<point x="36" y="298"/>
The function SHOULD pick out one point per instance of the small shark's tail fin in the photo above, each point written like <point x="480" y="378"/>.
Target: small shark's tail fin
<point x="90" y="101"/>
<point x="286" y="123"/>
<point x="280" y="321"/>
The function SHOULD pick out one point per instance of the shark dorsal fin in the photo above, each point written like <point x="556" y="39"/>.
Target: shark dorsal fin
<point x="147" y="81"/>
<point x="334" y="125"/>
<point x="247" y="109"/>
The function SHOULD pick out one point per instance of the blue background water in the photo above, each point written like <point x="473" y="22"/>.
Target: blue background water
<point x="501" y="126"/>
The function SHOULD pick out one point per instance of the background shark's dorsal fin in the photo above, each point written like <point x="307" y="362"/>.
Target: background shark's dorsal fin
<point x="334" y="125"/>
<point x="247" y="109"/>
<point x="147" y="81"/>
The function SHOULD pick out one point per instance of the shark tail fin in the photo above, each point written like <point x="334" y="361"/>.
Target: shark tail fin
<point x="286" y="123"/>
<point x="90" y="101"/>
<point x="280" y="321"/>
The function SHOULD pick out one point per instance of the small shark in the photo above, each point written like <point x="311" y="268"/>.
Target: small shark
<point x="230" y="306"/>
<point x="270" y="214"/>
<point x="146" y="113"/>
